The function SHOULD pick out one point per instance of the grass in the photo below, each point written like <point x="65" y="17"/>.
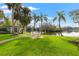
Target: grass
<point x="6" y="36"/>
<point x="48" y="46"/>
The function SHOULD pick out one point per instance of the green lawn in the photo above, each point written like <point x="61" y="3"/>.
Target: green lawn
<point x="48" y="46"/>
<point x="6" y="36"/>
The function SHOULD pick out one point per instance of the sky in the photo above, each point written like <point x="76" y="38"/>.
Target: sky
<point x="49" y="9"/>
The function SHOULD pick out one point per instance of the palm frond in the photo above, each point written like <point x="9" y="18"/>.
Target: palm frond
<point x="38" y="18"/>
<point x="63" y="18"/>
<point x="45" y="18"/>
<point x="54" y="19"/>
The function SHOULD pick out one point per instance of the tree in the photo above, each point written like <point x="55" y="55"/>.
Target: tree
<point x="42" y="18"/>
<point x="7" y="22"/>
<point x="60" y="16"/>
<point x="25" y="17"/>
<point x="1" y="14"/>
<point x="36" y="19"/>
<point x="13" y="6"/>
<point x="75" y="16"/>
<point x="1" y="17"/>
<point x="49" y="28"/>
<point x="46" y="19"/>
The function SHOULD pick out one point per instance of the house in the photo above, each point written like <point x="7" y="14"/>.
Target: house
<point x="8" y="29"/>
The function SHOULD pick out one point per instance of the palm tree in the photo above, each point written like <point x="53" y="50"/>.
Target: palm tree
<point x="42" y="18"/>
<point x="46" y="19"/>
<point x="75" y="16"/>
<point x="13" y="6"/>
<point x="25" y="17"/>
<point x="60" y="16"/>
<point x="36" y="19"/>
<point x="21" y="14"/>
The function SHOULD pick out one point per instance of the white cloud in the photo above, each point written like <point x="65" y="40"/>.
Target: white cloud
<point x="50" y="18"/>
<point x="32" y="8"/>
<point x="23" y="6"/>
<point x="4" y="7"/>
<point x="7" y="11"/>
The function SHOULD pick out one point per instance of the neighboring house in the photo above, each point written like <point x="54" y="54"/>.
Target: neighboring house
<point x="8" y="29"/>
<point x="70" y="29"/>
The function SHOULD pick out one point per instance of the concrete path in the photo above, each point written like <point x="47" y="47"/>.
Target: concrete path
<point x="32" y="36"/>
<point x="7" y="40"/>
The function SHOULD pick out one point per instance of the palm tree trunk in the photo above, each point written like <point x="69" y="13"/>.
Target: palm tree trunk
<point x="13" y="23"/>
<point x="32" y="29"/>
<point x="78" y="23"/>
<point x="34" y="25"/>
<point x="60" y="28"/>
<point x="45" y="30"/>
<point x="41" y="26"/>
<point x="22" y="31"/>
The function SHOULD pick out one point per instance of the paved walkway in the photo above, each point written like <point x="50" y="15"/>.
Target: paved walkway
<point x="7" y="40"/>
<point x="33" y="36"/>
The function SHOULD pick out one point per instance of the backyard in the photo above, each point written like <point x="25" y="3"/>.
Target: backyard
<point x="26" y="30"/>
<point x="47" y="46"/>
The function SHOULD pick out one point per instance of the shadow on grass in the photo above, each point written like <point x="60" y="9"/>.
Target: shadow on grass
<point x="75" y="42"/>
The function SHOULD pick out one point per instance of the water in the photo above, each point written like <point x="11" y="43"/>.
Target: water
<point x="71" y="34"/>
<point x="74" y="34"/>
